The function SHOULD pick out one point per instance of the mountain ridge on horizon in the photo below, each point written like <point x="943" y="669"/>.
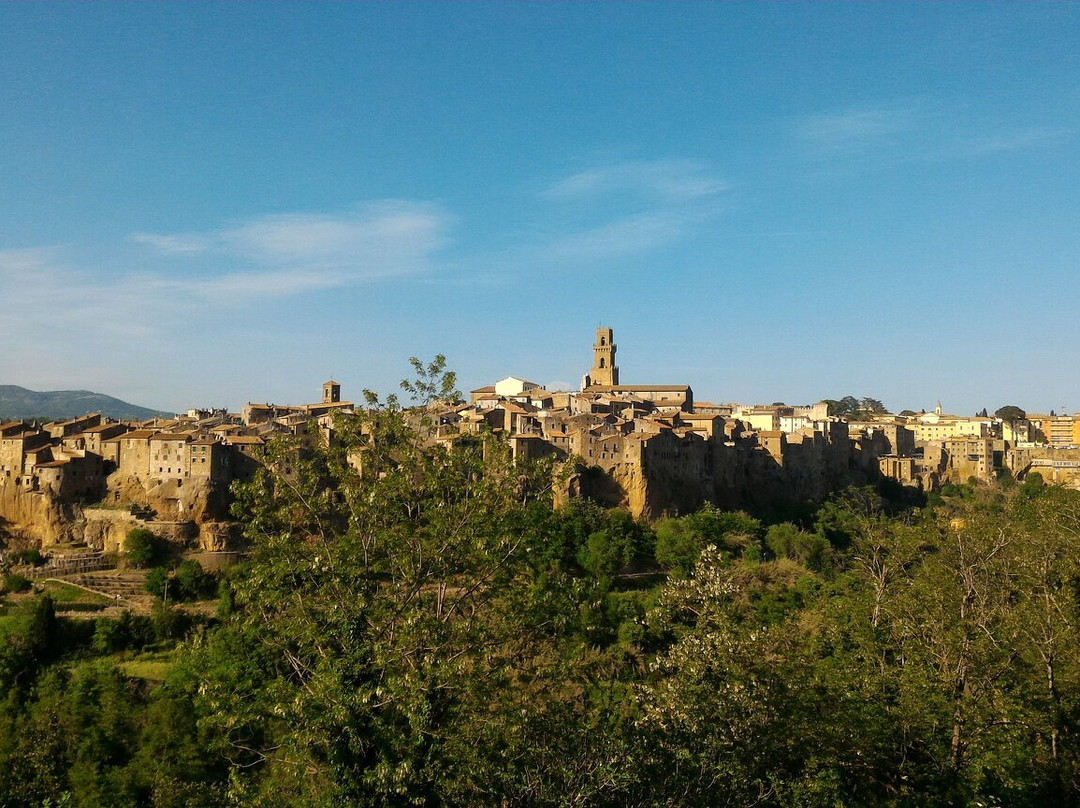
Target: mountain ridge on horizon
<point x="19" y="403"/>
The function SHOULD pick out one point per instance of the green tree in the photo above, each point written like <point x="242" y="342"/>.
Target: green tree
<point x="871" y="406"/>
<point x="610" y="549"/>
<point x="1010" y="413"/>
<point x="400" y="602"/>
<point x="142" y="548"/>
<point x="432" y="382"/>
<point x="157" y="582"/>
<point x="193" y="582"/>
<point x="786" y="540"/>
<point x="680" y="541"/>
<point x="731" y="714"/>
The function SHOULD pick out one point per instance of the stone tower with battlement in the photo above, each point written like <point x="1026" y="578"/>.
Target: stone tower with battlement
<point x="604" y="370"/>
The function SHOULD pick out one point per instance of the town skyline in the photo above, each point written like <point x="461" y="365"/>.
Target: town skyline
<point x="650" y="448"/>
<point x="208" y="204"/>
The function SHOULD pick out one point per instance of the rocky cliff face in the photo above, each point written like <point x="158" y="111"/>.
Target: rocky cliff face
<point x="38" y="516"/>
<point x="186" y="515"/>
<point x="106" y="529"/>
<point x="174" y="500"/>
<point x="645" y="495"/>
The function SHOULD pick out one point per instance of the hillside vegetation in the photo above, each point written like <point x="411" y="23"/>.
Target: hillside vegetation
<point x="418" y="627"/>
<point x="18" y="403"/>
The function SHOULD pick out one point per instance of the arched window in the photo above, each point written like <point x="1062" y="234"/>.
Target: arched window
<point x="603" y="341"/>
<point x="601" y="361"/>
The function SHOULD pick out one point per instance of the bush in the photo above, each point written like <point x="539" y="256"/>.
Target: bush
<point x="157" y="582"/>
<point x="677" y="547"/>
<point x="189" y="582"/>
<point x="787" y="541"/>
<point x="142" y="548"/>
<point x="128" y="632"/>
<point x="32" y="556"/>
<point x="193" y="582"/>
<point x="13" y="582"/>
<point x="168" y="624"/>
<point x="226" y="598"/>
<point x="107" y="637"/>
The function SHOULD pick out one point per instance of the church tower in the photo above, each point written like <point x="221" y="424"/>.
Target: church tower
<point x="604" y="370"/>
<point x="331" y="392"/>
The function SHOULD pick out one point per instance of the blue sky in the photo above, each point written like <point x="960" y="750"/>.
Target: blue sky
<point x="206" y="204"/>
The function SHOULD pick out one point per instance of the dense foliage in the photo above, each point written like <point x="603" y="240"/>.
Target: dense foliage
<point x="419" y="626"/>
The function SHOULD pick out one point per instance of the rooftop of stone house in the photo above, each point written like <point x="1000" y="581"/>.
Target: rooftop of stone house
<point x="14" y="428"/>
<point x="136" y="434"/>
<point x="101" y="428"/>
<point x="53" y="464"/>
<point x="630" y="388"/>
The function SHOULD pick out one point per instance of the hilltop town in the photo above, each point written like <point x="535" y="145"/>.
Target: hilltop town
<point x="650" y="448"/>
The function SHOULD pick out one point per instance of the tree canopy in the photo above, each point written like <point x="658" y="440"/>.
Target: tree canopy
<point x="417" y="625"/>
<point x="855" y="408"/>
<point x="1010" y="413"/>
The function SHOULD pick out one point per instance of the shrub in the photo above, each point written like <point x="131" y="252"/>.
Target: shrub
<point x="193" y="581"/>
<point x="32" y="556"/>
<point x="13" y="582"/>
<point x="157" y="581"/>
<point x="107" y="636"/>
<point x="168" y="623"/>
<point x="677" y="547"/>
<point x="142" y="548"/>
<point x="128" y="632"/>
<point x="787" y="541"/>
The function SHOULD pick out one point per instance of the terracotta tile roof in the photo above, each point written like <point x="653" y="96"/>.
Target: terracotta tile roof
<point x="137" y="434"/>
<point x="630" y="388"/>
<point x="100" y="428"/>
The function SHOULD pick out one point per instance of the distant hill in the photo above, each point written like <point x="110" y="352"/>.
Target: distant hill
<point x="18" y="403"/>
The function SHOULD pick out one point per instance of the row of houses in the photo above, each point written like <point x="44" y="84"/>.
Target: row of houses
<point x="651" y="448"/>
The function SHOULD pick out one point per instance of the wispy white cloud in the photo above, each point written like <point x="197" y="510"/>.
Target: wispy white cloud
<point x="277" y="253"/>
<point x="670" y="181"/>
<point x="52" y="298"/>
<point x="855" y="129"/>
<point x="628" y="235"/>
<point x="988" y="143"/>
<point x="171" y="244"/>
<point x="629" y="208"/>
<point x="58" y="304"/>
<point x="925" y="131"/>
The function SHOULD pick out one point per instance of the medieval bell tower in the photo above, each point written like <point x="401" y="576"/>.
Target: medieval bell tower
<point x="604" y="370"/>
<point x="331" y="392"/>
